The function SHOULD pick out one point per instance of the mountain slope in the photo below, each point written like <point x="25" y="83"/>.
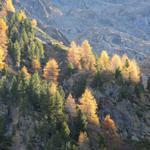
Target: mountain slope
<point x="113" y="24"/>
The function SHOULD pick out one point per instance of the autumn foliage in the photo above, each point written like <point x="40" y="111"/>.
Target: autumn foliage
<point x="104" y="61"/>
<point x="9" y="6"/>
<point x="109" y="123"/>
<point x="51" y="70"/>
<point x="81" y="57"/>
<point x="3" y="42"/>
<point x="128" y="67"/>
<point x="34" y="22"/>
<point x="25" y="71"/>
<point x="83" y="141"/>
<point x="89" y="106"/>
<point x="36" y="65"/>
<point x="21" y="15"/>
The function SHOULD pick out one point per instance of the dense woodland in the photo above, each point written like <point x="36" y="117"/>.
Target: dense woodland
<point x="56" y="104"/>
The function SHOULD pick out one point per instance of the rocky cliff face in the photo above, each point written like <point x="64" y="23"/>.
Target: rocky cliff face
<point x="116" y="25"/>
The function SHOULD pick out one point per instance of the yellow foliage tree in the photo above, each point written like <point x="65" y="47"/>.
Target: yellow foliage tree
<point x="2" y="58"/>
<point x="116" y="63"/>
<point x="134" y="71"/>
<point x="89" y="106"/>
<point x="83" y="141"/>
<point x="110" y="132"/>
<point x="104" y="61"/>
<point x="34" y="22"/>
<point x="70" y="106"/>
<point x="25" y="71"/>
<point x="109" y="123"/>
<point x="73" y="56"/>
<point x="88" y="60"/>
<point x="125" y="66"/>
<point x="3" y="42"/>
<point x="36" y="65"/>
<point x="51" y="70"/>
<point x="3" y="25"/>
<point x="21" y="15"/>
<point x="10" y="6"/>
<point x="53" y="88"/>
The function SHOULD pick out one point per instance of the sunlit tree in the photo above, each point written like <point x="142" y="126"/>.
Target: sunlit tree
<point x="83" y="141"/>
<point x="2" y="58"/>
<point x="125" y="66"/>
<point x="134" y="71"/>
<point x="36" y="65"/>
<point x="3" y="35"/>
<point x="34" y="22"/>
<point x="89" y="106"/>
<point x="21" y="15"/>
<point x="109" y="123"/>
<point x="88" y="60"/>
<point x="116" y="63"/>
<point x="73" y="56"/>
<point x="9" y="6"/>
<point x="51" y="70"/>
<point x="25" y="71"/>
<point x="104" y="61"/>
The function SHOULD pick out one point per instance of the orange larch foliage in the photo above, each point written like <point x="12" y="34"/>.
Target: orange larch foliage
<point x="88" y="60"/>
<point x="25" y="71"/>
<point x="21" y="15"/>
<point x="110" y="132"/>
<point x="104" y="61"/>
<point x="2" y="58"/>
<point x="109" y="123"/>
<point x="83" y="141"/>
<point x="53" y="88"/>
<point x="9" y="6"/>
<point x="34" y="22"/>
<point x="89" y="106"/>
<point x="134" y="71"/>
<point x="51" y="70"/>
<point x="36" y="65"/>
<point x="125" y="63"/>
<point x="70" y="106"/>
<point x="74" y="55"/>
<point x="3" y="42"/>
<point x="116" y="63"/>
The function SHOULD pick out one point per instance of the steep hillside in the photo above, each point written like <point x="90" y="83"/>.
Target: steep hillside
<point x="60" y="96"/>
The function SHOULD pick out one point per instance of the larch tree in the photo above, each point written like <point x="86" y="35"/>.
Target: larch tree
<point x="3" y="42"/>
<point x="25" y="71"/>
<point x="89" y="106"/>
<point x="88" y="60"/>
<point x="104" y="61"/>
<point x="2" y="58"/>
<point x="51" y="70"/>
<point x="83" y="141"/>
<point x="116" y="63"/>
<point x="34" y="22"/>
<point x="125" y="66"/>
<point x="9" y="6"/>
<point x="109" y="123"/>
<point x="70" y="106"/>
<point x="36" y="65"/>
<point x="21" y="16"/>
<point x="110" y="132"/>
<point x="73" y="56"/>
<point x="134" y="71"/>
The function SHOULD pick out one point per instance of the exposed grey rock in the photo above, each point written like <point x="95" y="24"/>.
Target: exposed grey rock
<point x="108" y="24"/>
